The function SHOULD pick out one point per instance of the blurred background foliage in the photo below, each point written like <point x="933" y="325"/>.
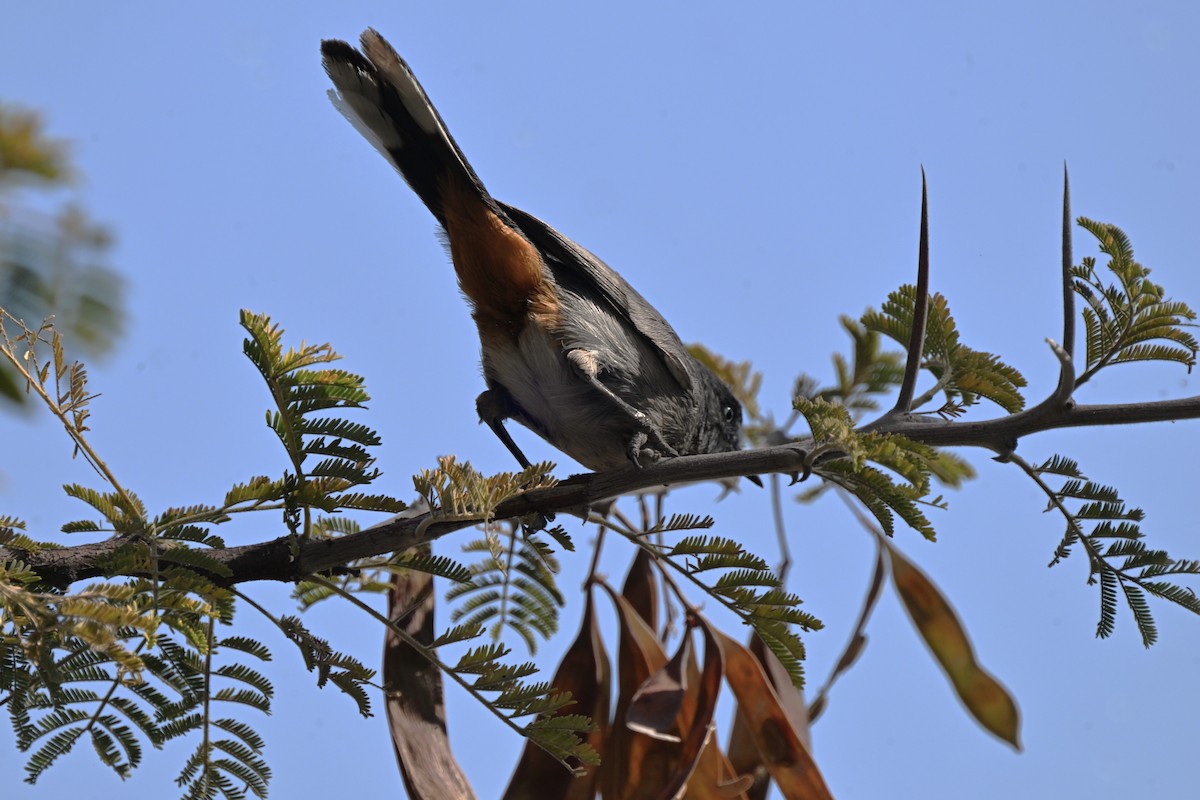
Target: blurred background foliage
<point x="53" y="258"/>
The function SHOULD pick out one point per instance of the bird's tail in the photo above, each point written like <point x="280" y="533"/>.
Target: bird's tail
<point x="378" y="93"/>
<point x="498" y="268"/>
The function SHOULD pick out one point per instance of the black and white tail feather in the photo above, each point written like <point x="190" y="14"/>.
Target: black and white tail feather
<point x="378" y="93"/>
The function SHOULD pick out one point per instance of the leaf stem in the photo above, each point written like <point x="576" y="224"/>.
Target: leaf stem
<point x="428" y="654"/>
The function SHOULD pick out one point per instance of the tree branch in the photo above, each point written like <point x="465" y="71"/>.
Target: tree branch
<point x="273" y="560"/>
<point x="1001" y="435"/>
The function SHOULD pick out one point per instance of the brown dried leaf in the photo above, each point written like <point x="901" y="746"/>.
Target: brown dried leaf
<point x="634" y="764"/>
<point x="791" y="699"/>
<point x="675" y="705"/>
<point x="711" y="776"/>
<point x="770" y="728"/>
<point x="935" y="620"/>
<point x="416" y="710"/>
<point x="701" y="701"/>
<point x="743" y="754"/>
<point x="744" y="757"/>
<point x="654" y="707"/>
<point x="586" y="674"/>
<point x="641" y="588"/>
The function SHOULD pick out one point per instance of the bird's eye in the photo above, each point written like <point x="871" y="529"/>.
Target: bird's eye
<point x="729" y="415"/>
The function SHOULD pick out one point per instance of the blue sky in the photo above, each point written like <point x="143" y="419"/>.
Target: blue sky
<point x="754" y="174"/>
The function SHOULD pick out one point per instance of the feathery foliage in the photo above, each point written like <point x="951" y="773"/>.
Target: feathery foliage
<point x="345" y="672"/>
<point x="306" y="397"/>
<point x="455" y="490"/>
<point x="1131" y="319"/>
<point x="480" y="669"/>
<point x="1110" y="533"/>
<point x="515" y="592"/>
<point x="963" y="375"/>
<point x="1127" y="320"/>
<point x="739" y="580"/>
<point x="133" y="661"/>
<point x="843" y="456"/>
<point x="11" y="537"/>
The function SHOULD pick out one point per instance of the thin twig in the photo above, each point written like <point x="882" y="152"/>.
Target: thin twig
<point x="595" y="565"/>
<point x="785" y="551"/>
<point x="426" y="652"/>
<point x="205" y="746"/>
<point x="858" y="638"/>
<point x="942" y="383"/>
<point x="638" y="538"/>
<point x="1096" y="562"/>
<point x="616" y="513"/>
<point x="33" y="381"/>
<point x="690" y="609"/>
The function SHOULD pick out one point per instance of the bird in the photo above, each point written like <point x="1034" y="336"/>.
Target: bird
<point x="568" y="348"/>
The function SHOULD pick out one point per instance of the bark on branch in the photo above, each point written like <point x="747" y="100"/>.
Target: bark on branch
<point x="273" y="561"/>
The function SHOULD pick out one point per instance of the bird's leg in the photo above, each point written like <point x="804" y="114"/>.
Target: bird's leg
<point x="645" y="433"/>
